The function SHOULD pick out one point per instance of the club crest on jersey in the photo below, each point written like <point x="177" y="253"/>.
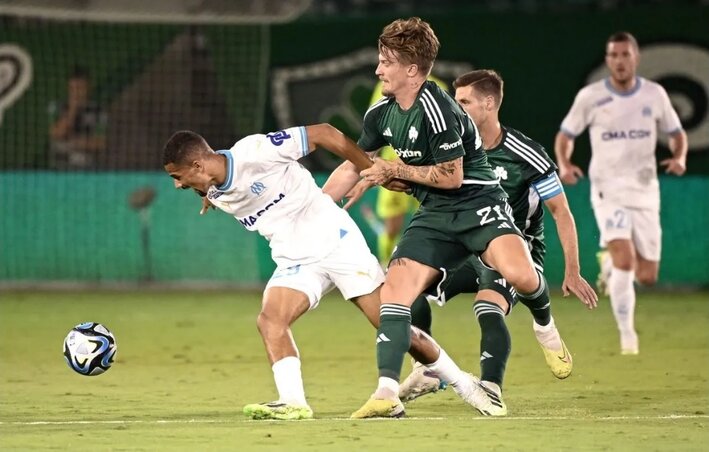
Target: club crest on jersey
<point x="500" y="173"/>
<point x="647" y="111"/>
<point x="277" y="138"/>
<point x="257" y="188"/>
<point x="413" y="133"/>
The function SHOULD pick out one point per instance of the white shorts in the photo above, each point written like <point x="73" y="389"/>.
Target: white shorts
<point x="642" y="226"/>
<point x="351" y="267"/>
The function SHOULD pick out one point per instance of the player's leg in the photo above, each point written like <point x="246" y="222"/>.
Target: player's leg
<point x="647" y="238"/>
<point x="289" y="294"/>
<point x="421" y="380"/>
<point x="621" y="290"/>
<point x="405" y="280"/>
<point x="615" y="224"/>
<point x="425" y="247"/>
<point x="556" y="354"/>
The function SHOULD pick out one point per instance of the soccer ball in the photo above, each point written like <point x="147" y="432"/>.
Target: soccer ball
<point x="89" y="349"/>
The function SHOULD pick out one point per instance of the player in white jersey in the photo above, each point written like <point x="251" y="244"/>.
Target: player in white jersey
<point x="315" y="244"/>
<point x="623" y="113"/>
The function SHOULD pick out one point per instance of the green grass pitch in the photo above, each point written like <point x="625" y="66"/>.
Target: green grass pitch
<point x="188" y="362"/>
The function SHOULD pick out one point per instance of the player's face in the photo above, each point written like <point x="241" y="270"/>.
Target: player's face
<point x="622" y="61"/>
<point x="189" y="176"/>
<point x="474" y="104"/>
<point x="392" y="73"/>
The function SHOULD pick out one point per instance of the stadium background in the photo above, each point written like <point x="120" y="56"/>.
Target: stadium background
<point x="75" y="226"/>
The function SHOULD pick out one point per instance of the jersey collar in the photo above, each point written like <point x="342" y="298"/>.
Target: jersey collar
<point x="229" y="170"/>
<point x="635" y="89"/>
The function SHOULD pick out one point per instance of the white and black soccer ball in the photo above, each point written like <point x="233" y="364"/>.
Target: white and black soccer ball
<point x="89" y="348"/>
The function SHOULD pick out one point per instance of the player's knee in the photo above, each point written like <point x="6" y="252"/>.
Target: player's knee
<point x="523" y="280"/>
<point x="646" y="278"/>
<point x="267" y="323"/>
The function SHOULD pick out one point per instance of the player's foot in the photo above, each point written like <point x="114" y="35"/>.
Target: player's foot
<point x="605" y="265"/>
<point x="278" y="410"/>
<point x="420" y="381"/>
<point x="556" y="354"/>
<point x="474" y="393"/>
<point x="392" y="408"/>
<point x="629" y="344"/>
<point x="496" y="406"/>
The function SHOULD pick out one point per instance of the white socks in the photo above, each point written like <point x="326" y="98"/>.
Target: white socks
<point x="289" y="381"/>
<point x="447" y="370"/>
<point x="622" y="294"/>
<point x="548" y="335"/>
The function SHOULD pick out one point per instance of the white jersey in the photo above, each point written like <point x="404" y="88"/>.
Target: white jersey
<point x="623" y="132"/>
<point x="268" y="191"/>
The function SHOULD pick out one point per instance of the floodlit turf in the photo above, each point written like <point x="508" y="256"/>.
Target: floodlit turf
<point x="188" y="362"/>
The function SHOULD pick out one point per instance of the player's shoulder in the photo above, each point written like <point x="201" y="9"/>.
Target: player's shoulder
<point x="514" y="134"/>
<point x="433" y="94"/>
<point x="441" y="110"/>
<point x="525" y="149"/>
<point x="651" y="87"/>
<point x="593" y="89"/>
<point x="378" y="107"/>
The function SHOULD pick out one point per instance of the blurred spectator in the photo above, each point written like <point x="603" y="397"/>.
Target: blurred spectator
<point x="78" y="126"/>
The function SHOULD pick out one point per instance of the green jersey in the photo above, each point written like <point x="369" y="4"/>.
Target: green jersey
<point x="529" y="177"/>
<point x="434" y="130"/>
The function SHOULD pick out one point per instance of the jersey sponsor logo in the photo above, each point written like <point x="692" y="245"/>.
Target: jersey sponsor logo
<point x="449" y="146"/>
<point x="251" y="219"/>
<point x="277" y="138"/>
<point x="413" y="133"/>
<point x="214" y="194"/>
<point x="387" y="132"/>
<point x="257" y="188"/>
<point x="500" y="173"/>
<point x="632" y="134"/>
<point x="407" y="153"/>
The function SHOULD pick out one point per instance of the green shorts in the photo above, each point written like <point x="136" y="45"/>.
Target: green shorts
<point x="445" y="240"/>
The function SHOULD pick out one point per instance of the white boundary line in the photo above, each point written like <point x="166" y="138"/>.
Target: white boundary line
<point x="340" y="419"/>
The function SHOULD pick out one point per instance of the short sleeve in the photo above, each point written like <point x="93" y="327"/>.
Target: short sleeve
<point x="577" y="118"/>
<point x="371" y="139"/>
<point x="282" y="146"/>
<point x="668" y="120"/>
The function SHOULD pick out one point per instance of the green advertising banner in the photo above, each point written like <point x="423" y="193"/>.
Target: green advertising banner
<point x="74" y="223"/>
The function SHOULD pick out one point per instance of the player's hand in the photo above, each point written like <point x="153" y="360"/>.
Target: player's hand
<point x="381" y="172"/>
<point x="578" y="286"/>
<point x="206" y="205"/>
<point x="674" y="166"/>
<point x="570" y="174"/>
<point x="397" y="185"/>
<point x="356" y="193"/>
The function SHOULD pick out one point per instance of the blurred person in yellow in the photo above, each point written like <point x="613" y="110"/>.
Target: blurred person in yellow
<point x="392" y="206"/>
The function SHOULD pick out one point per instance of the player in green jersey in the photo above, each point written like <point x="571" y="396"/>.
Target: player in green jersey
<point x="463" y="209"/>
<point x="530" y="178"/>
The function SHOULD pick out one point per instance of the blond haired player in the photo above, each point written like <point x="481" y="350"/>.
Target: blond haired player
<point x="392" y="206"/>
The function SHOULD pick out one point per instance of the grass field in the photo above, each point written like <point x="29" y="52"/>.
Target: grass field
<point x="188" y="362"/>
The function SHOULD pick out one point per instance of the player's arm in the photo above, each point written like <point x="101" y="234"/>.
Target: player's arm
<point x="573" y="124"/>
<point x="564" y="148"/>
<point x="679" y="145"/>
<point x="446" y="175"/>
<point x="333" y="140"/>
<point x="552" y="193"/>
